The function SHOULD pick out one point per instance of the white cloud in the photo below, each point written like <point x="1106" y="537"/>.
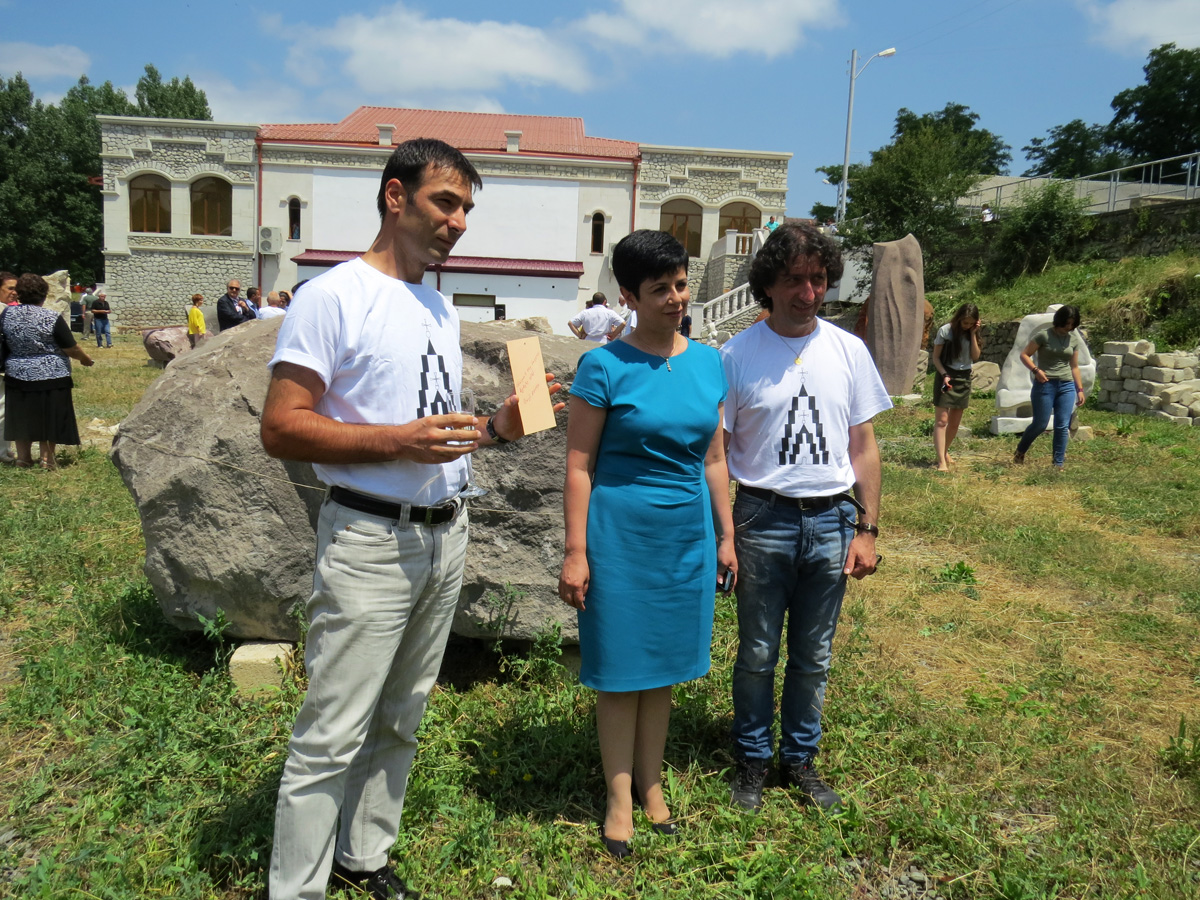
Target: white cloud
<point x="56" y="62"/>
<point x="400" y="52"/>
<point x="1138" y="25"/>
<point x="258" y="102"/>
<point x="718" y="28"/>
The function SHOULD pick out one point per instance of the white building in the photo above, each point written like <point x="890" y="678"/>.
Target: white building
<point x="189" y="205"/>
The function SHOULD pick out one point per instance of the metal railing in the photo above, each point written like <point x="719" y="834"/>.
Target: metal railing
<point x="1175" y="178"/>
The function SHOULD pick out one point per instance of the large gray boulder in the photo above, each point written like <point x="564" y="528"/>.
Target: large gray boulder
<point x="165" y="344"/>
<point x="229" y="529"/>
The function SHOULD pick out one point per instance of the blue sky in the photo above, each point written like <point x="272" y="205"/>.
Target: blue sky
<point x="685" y="72"/>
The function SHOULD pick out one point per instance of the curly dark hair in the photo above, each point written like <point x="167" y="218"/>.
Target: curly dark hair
<point x="782" y="247"/>
<point x="32" y="288"/>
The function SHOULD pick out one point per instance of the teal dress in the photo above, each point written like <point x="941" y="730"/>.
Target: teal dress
<point x="649" y="616"/>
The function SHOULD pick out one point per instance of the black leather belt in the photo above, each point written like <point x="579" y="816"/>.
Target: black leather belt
<point x="372" y="506"/>
<point x="814" y="503"/>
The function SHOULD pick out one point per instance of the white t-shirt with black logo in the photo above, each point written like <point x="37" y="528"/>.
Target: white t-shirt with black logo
<point x="790" y="424"/>
<point x="388" y="353"/>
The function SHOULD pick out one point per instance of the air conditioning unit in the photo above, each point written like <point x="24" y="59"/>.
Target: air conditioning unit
<point x="270" y="241"/>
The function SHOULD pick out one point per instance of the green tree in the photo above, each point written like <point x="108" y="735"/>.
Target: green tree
<point x="1041" y="227"/>
<point x="50" y="200"/>
<point x="1072" y="151"/>
<point x="173" y="100"/>
<point x="1161" y="118"/>
<point x="981" y="152"/>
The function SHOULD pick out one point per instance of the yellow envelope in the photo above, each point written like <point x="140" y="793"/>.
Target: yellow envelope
<point x="529" y="381"/>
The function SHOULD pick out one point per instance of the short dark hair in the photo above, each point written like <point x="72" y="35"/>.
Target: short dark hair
<point x="7" y="276"/>
<point x="599" y="297"/>
<point x="252" y="290"/>
<point x="32" y="288"/>
<point x="409" y="162"/>
<point x="1064" y="314"/>
<point x="645" y="254"/>
<point x="780" y="250"/>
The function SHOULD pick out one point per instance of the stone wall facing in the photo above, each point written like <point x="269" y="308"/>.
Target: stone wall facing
<point x="162" y="283"/>
<point x="713" y="178"/>
<point x="1133" y="379"/>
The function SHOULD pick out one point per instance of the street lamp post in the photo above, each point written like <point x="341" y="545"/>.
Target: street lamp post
<point x="854" y="73"/>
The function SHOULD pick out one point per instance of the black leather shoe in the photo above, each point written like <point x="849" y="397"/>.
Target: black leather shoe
<point x="748" y="784"/>
<point x="670" y="827"/>
<point x="807" y="779"/>
<point x="618" y="849"/>
<point x="382" y="884"/>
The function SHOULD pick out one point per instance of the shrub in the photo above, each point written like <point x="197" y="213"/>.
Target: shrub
<point x="1041" y="228"/>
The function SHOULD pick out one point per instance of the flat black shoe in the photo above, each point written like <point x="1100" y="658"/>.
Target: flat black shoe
<point x="382" y="884"/>
<point x="618" y="849"/>
<point x="669" y="828"/>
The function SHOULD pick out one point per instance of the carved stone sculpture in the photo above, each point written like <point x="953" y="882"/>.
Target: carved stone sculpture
<point x="897" y="317"/>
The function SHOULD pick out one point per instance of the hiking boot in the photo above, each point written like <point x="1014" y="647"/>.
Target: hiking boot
<point x="382" y="884"/>
<point x="748" y="784"/>
<point x="806" y="777"/>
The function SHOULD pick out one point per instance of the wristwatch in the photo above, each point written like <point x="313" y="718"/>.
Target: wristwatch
<point x="866" y="528"/>
<point x="491" y="430"/>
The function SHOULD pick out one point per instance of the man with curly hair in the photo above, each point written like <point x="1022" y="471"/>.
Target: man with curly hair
<point x="799" y="438"/>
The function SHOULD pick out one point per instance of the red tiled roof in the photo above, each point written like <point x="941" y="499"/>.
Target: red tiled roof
<point x="465" y="130"/>
<point x="484" y="265"/>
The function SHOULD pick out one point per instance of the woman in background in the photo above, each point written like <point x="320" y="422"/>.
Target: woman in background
<point x="37" y="375"/>
<point x="1057" y="383"/>
<point x="955" y="348"/>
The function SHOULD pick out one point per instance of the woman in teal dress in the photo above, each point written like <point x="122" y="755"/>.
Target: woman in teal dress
<point x="645" y="472"/>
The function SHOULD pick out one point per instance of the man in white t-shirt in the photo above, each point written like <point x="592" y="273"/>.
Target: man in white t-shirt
<point x="597" y="323"/>
<point x="274" y="308"/>
<point x="364" y="376"/>
<point x="799" y="438"/>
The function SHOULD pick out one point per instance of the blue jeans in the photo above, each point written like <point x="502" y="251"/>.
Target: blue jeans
<point x="789" y="561"/>
<point x="1057" y="395"/>
<point x="103" y="328"/>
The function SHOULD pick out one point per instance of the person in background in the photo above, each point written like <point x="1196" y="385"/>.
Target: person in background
<point x="232" y="310"/>
<point x="274" y="307"/>
<point x="37" y="375"/>
<point x="1057" y="383"/>
<point x="253" y="301"/>
<point x="597" y="323"/>
<point x="101" y="324"/>
<point x="286" y="298"/>
<point x="955" y="348"/>
<point x="8" y="297"/>
<point x="645" y="462"/>
<point x="772" y="224"/>
<point x="89" y="297"/>
<point x="197" y="329"/>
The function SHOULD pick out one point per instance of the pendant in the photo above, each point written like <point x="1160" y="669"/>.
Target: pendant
<point x="799" y="361"/>
<point x="668" y="362"/>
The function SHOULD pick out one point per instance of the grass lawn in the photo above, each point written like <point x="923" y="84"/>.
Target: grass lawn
<point x="1006" y="712"/>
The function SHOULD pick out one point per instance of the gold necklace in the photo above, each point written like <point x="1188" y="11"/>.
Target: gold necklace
<point x="666" y="359"/>
<point x="799" y="361"/>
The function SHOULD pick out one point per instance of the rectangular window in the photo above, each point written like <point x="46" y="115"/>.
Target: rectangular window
<point x="475" y="300"/>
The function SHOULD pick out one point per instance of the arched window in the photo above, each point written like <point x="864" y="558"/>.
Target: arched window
<point x="294" y="219"/>
<point x="598" y="232"/>
<point x="681" y="218"/>
<point x="212" y="206"/>
<point x="150" y="204"/>
<point x="742" y="217"/>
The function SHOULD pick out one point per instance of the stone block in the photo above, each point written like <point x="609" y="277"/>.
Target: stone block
<point x="1146" y="401"/>
<point x="1127" y="408"/>
<point x="1165" y="360"/>
<point x="1194" y="407"/>
<point x="985" y="376"/>
<point x="256" y="667"/>
<point x="1123" y="396"/>
<point x="1186" y="373"/>
<point x="1135" y="359"/>
<point x="1008" y="424"/>
<point x="1110" y="384"/>
<point x="1083" y="433"/>
<point x="1187" y="361"/>
<point x="1172" y="393"/>
<point x="1110" y="360"/>
<point x="1132" y="384"/>
<point x="1131" y="372"/>
<point x="1178" y="420"/>
<point x="1113" y="347"/>
<point x="1158" y="374"/>
<point x="1175" y="409"/>
<point x="1101" y="396"/>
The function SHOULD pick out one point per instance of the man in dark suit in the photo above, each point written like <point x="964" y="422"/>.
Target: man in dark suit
<point x="232" y="309"/>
